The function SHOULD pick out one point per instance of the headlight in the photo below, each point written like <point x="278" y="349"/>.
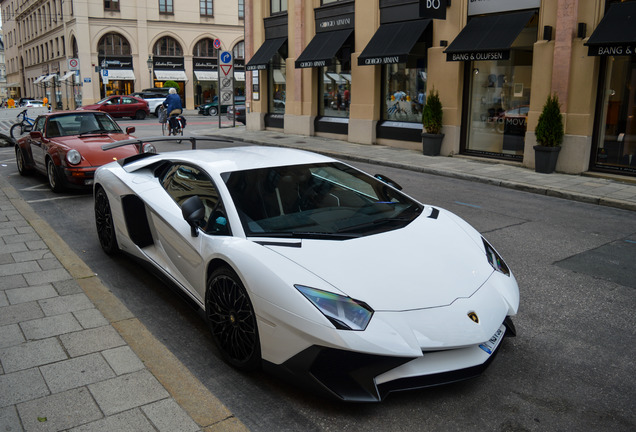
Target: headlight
<point x="495" y="260"/>
<point x="344" y="313"/>
<point x="73" y="157"/>
<point x="148" y="148"/>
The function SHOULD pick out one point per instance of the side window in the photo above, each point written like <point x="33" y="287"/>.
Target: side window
<point x="184" y="181"/>
<point x="127" y="100"/>
<point x="39" y="124"/>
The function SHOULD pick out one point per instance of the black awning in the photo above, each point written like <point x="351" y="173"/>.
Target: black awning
<point x="616" y="33"/>
<point x="393" y="42"/>
<point x="488" y="37"/>
<point x="264" y="55"/>
<point x="322" y="48"/>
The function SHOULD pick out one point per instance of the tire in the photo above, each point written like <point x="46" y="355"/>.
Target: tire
<point x="140" y="115"/>
<point x="55" y="182"/>
<point x="206" y="112"/>
<point x="232" y="320"/>
<point x="157" y="111"/>
<point x="164" y="129"/>
<point x="214" y="111"/>
<point x="104" y="223"/>
<point x="19" y="159"/>
<point x="16" y="131"/>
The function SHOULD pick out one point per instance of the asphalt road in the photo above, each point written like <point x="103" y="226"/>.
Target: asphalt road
<point x="570" y="368"/>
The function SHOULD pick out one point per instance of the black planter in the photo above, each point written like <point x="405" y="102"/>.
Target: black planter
<point x="545" y="158"/>
<point x="431" y="144"/>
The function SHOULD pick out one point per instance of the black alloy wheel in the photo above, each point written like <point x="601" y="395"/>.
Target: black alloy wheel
<point x="232" y="320"/>
<point x="104" y="223"/>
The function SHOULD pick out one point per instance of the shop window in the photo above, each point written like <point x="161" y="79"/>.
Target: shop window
<point x="616" y="142"/>
<point x="277" y="87"/>
<point x="111" y="5"/>
<point x="335" y="88"/>
<point x="404" y="92"/>
<point x="206" y="8"/>
<point x="165" y="7"/>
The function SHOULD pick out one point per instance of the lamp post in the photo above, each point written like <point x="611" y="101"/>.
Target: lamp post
<point x="149" y="63"/>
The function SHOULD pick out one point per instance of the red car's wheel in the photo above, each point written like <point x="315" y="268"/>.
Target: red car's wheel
<point x="19" y="159"/>
<point x="55" y="183"/>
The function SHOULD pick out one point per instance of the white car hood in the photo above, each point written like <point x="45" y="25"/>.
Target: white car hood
<point x="429" y="263"/>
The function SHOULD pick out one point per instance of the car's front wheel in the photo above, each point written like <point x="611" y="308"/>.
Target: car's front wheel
<point x="19" y="159"/>
<point x="104" y="222"/>
<point x="232" y="320"/>
<point x="213" y="111"/>
<point x="55" y="183"/>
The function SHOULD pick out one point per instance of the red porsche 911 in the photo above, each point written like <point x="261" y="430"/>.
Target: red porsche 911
<point x="67" y="147"/>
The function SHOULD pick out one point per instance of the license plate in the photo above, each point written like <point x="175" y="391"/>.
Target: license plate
<point x="491" y="344"/>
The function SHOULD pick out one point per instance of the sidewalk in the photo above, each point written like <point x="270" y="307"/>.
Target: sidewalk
<point x="606" y="191"/>
<point x="72" y="357"/>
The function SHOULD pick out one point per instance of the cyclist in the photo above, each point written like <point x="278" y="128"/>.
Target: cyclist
<point x="173" y="105"/>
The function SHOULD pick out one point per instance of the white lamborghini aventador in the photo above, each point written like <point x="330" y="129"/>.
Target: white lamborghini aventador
<point x="312" y="268"/>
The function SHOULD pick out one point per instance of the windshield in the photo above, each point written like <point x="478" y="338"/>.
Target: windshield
<point x="328" y="200"/>
<point x="84" y="123"/>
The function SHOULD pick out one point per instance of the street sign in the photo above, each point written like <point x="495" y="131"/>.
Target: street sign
<point x="73" y="64"/>
<point x="217" y="43"/>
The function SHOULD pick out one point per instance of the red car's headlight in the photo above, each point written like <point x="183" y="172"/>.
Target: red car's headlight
<point x="73" y="157"/>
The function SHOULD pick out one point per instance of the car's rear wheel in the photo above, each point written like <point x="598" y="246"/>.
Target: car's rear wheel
<point x="19" y="159"/>
<point x="55" y="183"/>
<point x="232" y="320"/>
<point x="140" y="115"/>
<point x="104" y="223"/>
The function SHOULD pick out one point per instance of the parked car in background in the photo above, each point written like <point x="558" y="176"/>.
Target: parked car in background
<point x="67" y="147"/>
<point x="236" y="112"/>
<point x="212" y="108"/>
<point x="32" y="103"/>
<point x="23" y="101"/>
<point x="154" y="99"/>
<point x="121" y="106"/>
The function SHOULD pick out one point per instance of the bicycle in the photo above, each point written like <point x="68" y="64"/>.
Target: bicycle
<point x="23" y="126"/>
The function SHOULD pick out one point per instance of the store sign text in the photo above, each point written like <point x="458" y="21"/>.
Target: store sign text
<point x="334" y="23"/>
<point x="315" y="63"/>
<point x="497" y="55"/>
<point x="612" y="50"/>
<point x="382" y="60"/>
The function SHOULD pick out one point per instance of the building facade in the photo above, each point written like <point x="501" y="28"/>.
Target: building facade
<point x="360" y="71"/>
<point x="75" y="53"/>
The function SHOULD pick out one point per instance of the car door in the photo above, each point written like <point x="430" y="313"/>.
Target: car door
<point x="37" y="145"/>
<point x="183" y="252"/>
<point x="128" y="107"/>
<point x="112" y="106"/>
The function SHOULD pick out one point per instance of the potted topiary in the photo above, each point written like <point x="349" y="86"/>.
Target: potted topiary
<point x="174" y="84"/>
<point x="549" y="133"/>
<point x="432" y="121"/>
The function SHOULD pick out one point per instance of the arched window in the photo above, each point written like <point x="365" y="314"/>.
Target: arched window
<point x="167" y="46"/>
<point x="205" y="48"/>
<point x="239" y="50"/>
<point x="74" y="46"/>
<point x="113" y="44"/>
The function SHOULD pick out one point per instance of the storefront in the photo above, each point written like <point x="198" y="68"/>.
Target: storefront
<point x="400" y="46"/>
<point x="330" y="52"/>
<point x="614" y="137"/>
<point x="117" y="74"/>
<point x="206" y="80"/>
<point x="497" y="51"/>
<point x="170" y="69"/>
<point x="272" y="58"/>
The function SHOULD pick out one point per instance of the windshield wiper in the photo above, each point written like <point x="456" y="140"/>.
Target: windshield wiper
<point x="95" y="132"/>
<point x="314" y="235"/>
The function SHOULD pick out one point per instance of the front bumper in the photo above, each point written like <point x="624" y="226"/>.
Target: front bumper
<point x="78" y="177"/>
<point x="360" y="377"/>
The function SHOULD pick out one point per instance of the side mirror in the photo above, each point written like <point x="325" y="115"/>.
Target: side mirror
<point x="35" y="134"/>
<point x="193" y="212"/>
<point x="130" y="130"/>
<point x="385" y="179"/>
